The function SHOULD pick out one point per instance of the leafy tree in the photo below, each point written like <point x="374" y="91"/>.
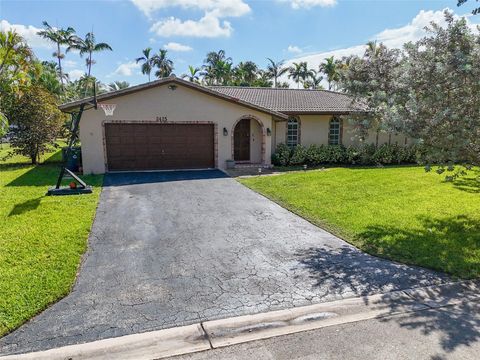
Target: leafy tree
<point x="117" y="85"/>
<point x="59" y="37"/>
<point x="47" y="75"/>
<point x="438" y="94"/>
<point x="330" y="69"/>
<point x="283" y="85"/>
<point x="275" y="70"/>
<point x="372" y="82"/>
<point x="3" y="126"/>
<point x="148" y="62"/>
<point x="314" y="81"/>
<point x="193" y="74"/>
<point x="474" y="11"/>
<point x="163" y="64"/>
<point x="38" y="122"/>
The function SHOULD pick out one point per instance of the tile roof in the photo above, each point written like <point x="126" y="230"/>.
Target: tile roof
<point x="291" y="100"/>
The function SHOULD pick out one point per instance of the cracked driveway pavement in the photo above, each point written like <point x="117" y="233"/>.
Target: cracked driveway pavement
<point x="175" y="248"/>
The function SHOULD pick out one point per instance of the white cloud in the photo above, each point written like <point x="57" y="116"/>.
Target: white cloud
<point x="307" y="4"/>
<point x="218" y="8"/>
<point x="127" y="69"/>
<point x="173" y="46"/>
<point x="294" y="49"/>
<point x="75" y="74"/>
<point x="392" y="38"/>
<point x="208" y="26"/>
<point x="29" y="33"/>
<point x="69" y="63"/>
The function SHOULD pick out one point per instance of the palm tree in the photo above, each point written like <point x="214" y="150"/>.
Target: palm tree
<point x="330" y="68"/>
<point x="299" y="72"/>
<point x="117" y="85"/>
<point x="163" y="64"/>
<point x="275" y="70"/>
<point x="88" y="46"/>
<point x="217" y="68"/>
<point x="59" y="37"/>
<point x="147" y="62"/>
<point x="245" y="73"/>
<point x="315" y="80"/>
<point x="193" y="74"/>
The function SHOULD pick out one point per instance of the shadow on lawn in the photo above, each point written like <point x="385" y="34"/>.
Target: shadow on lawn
<point x="349" y="270"/>
<point x="26" y="206"/>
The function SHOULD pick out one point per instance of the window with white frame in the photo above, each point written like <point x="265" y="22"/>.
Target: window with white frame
<point x="292" y="132"/>
<point x="334" y="133"/>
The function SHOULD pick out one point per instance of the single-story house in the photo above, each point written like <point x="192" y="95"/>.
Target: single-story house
<point x="175" y="124"/>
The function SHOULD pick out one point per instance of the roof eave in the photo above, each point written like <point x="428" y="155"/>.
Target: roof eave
<point x="74" y="104"/>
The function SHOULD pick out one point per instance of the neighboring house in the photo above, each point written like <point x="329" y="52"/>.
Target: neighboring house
<point x="175" y="124"/>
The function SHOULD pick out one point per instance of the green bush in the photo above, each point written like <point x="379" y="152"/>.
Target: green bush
<point x="364" y="154"/>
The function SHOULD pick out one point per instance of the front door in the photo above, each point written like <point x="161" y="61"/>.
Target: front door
<point x="241" y="141"/>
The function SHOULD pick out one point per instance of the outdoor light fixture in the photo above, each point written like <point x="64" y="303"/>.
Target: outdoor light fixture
<point x="269" y="132"/>
<point x="259" y="170"/>
<point x="225" y="131"/>
<point x="305" y="167"/>
<point x="172" y="87"/>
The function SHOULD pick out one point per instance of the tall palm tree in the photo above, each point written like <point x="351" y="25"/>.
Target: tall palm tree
<point x="163" y="64"/>
<point x="299" y="72"/>
<point x="118" y="85"/>
<point x="314" y="80"/>
<point x="147" y="62"/>
<point x="193" y="74"/>
<point x="88" y="46"/>
<point x="275" y="70"/>
<point x="59" y="37"/>
<point x="330" y="68"/>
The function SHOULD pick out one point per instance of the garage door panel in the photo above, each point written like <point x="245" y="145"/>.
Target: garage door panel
<point x="159" y="146"/>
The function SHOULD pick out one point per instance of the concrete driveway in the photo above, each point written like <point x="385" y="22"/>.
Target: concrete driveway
<point x="173" y="248"/>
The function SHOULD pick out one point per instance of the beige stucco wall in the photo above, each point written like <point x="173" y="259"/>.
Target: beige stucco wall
<point x="181" y="105"/>
<point x="314" y="130"/>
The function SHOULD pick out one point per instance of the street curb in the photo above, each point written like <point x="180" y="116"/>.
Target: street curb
<point x="220" y="333"/>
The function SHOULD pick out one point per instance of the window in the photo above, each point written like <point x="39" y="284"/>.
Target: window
<point x="292" y="132"/>
<point x="334" y="134"/>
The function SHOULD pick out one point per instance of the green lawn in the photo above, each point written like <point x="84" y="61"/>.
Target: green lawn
<point x="42" y="238"/>
<point x="400" y="213"/>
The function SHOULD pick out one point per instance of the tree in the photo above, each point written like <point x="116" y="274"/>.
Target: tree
<point x="148" y="62"/>
<point x="263" y="79"/>
<point x="117" y="85"/>
<point x="59" y="37"/>
<point x="372" y="82"/>
<point x="299" y="72"/>
<point x="88" y="46"/>
<point x="193" y="74"/>
<point x="275" y="70"/>
<point x="3" y="126"/>
<point x="47" y="75"/>
<point x="474" y="11"/>
<point x="217" y="68"/>
<point x="438" y="94"/>
<point x="245" y="73"/>
<point x="330" y="69"/>
<point x="38" y="122"/>
<point x="163" y="64"/>
<point x="314" y="81"/>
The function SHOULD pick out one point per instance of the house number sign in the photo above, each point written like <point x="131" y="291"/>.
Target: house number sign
<point x="162" y="119"/>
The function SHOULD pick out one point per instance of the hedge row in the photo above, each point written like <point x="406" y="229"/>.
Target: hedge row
<point x="366" y="154"/>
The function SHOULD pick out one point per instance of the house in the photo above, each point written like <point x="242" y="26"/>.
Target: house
<point x="175" y="124"/>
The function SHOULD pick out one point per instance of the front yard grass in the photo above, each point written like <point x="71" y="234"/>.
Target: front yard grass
<point x="399" y="213"/>
<point x="42" y="238"/>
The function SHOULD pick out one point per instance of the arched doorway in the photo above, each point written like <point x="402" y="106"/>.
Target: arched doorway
<point x="248" y="141"/>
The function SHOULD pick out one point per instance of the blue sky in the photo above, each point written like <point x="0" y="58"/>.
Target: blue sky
<point x="247" y="30"/>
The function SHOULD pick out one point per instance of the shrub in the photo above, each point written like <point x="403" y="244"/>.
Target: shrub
<point x="364" y="154"/>
<point x="282" y="155"/>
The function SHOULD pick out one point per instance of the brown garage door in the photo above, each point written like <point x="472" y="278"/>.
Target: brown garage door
<point x="159" y="146"/>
